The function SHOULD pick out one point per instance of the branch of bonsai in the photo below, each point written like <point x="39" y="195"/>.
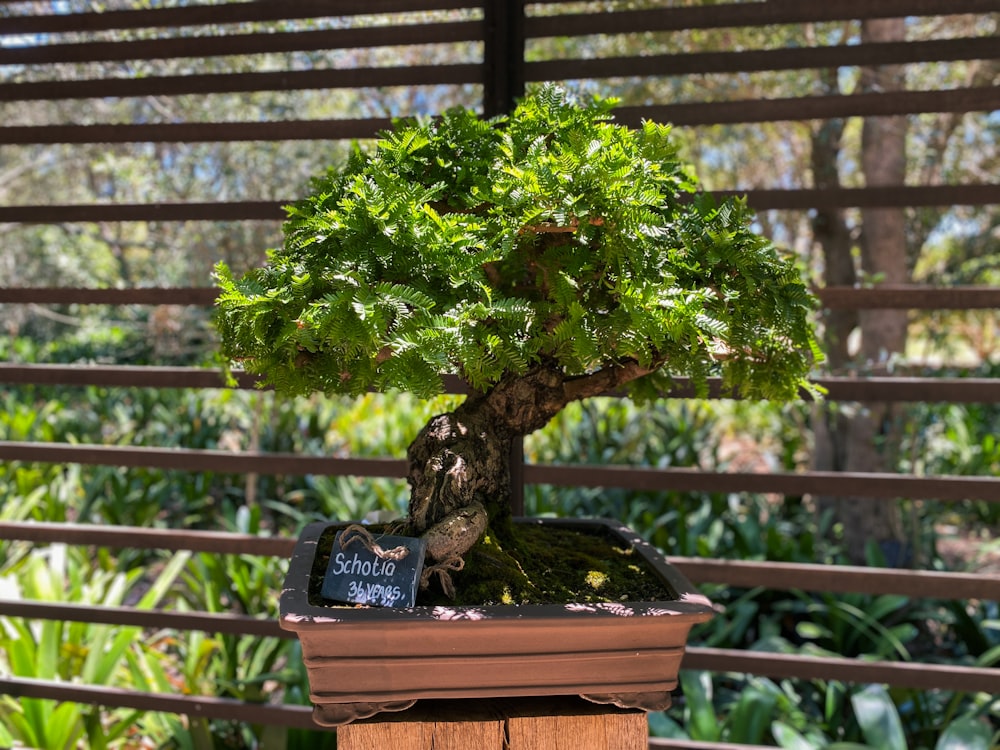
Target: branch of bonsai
<point x="607" y="379"/>
<point x="549" y="227"/>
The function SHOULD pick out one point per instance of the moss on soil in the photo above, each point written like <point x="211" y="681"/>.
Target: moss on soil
<point x="547" y="565"/>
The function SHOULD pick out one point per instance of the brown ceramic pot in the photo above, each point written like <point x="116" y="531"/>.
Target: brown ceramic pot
<point x="364" y="660"/>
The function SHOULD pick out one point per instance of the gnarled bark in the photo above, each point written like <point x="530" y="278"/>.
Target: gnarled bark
<point x="459" y="462"/>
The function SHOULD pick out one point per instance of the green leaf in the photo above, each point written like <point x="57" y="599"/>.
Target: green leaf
<point x="788" y="738"/>
<point x="702" y="721"/>
<point x="878" y="718"/>
<point x="750" y="718"/>
<point x="966" y="733"/>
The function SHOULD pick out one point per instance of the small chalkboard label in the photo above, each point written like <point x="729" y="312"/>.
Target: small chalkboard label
<point x="359" y="573"/>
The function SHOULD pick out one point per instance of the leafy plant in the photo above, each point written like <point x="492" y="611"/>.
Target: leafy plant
<point x="545" y="258"/>
<point x="483" y="247"/>
<point x="761" y="711"/>
<point x="66" y="651"/>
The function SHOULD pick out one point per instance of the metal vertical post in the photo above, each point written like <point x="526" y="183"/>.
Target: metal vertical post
<point x="503" y="55"/>
<point x="503" y="84"/>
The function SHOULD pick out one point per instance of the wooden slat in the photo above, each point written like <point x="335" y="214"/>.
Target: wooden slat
<point x="123" y="376"/>
<point x="908" y="297"/>
<point x="866" y="485"/>
<point x="977" y="99"/>
<point x="141" y="537"/>
<point x="658" y="743"/>
<point x="898" y="196"/>
<point x="743" y="14"/>
<point x="791" y="199"/>
<point x="668" y="19"/>
<point x="912" y="389"/>
<point x="149" y="619"/>
<point x="745" y="61"/>
<point x="883" y="104"/>
<point x="884" y="389"/>
<point x="198" y="132"/>
<point x="918" y="584"/>
<point x="141" y="376"/>
<point x="862" y="485"/>
<point x="203" y="296"/>
<point x="218" y="83"/>
<point x="185" y="459"/>
<point x="883" y="297"/>
<point x="216" y="211"/>
<point x="222" y="13"/>
<point x="204" y="706"/>
<point x="243" y="44"/>
<point x="918" y="676"/>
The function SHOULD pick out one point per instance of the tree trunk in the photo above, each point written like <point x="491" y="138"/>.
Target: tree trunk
<point x="462" y="457"/>
<point x="883" y="159"/>
<point x="459" y="470"/>
<point x="863" y="440"/>
<point x="831" y="231"/>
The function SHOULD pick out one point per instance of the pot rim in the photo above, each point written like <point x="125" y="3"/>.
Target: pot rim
<point x="297" y="613"/>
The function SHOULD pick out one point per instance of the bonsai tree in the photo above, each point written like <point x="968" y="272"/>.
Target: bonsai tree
<point x="544" y="257"/>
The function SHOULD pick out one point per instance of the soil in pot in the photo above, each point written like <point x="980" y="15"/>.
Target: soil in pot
<point x="545" y="565"/>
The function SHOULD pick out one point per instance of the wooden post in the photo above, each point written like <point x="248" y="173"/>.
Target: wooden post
<point x="500" y="724"/>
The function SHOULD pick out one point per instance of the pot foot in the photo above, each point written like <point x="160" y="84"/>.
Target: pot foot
<point x="338" y="714"/>
<point x="655" y="701"/>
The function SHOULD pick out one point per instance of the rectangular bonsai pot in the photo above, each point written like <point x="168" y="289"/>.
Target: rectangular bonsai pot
<point x="364" y="660"/>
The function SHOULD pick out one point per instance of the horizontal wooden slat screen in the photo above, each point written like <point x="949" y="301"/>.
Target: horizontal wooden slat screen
<point x="202" y="15"/>
<point x="761" y="200"/>
<point x="202" y="132"/>
<point x="814" y="577"/>
<point x="892" y="389"/>
<point x="724" y="15"/>
<point x="680" y="744"/>
<point x="227" y="709"/>
<point x="898" y="674"/>
<point x="633" y="478"/>
<point x="217" y="83"/>
<point x="246" y="44"/>
<point x="738" y="573"/>
<point x="834" y="298"/>
<point x="236" y="51"/>
<point x="122" y="537"/>
<point x="886" y="53"/>
<point x="156" y="619"/>
<point x="980" y="99"/>
<point x="297" y="716"/>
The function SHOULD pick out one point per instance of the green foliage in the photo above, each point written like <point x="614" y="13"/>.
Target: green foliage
<point x="659" y="434"/>
<point x="955" y="439"/>
<point x="68" y="651"/>
<point x="762" y="712"/>
<point x="482" y="248"/>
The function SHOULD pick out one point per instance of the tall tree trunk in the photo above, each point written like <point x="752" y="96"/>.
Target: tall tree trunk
<point x="863" y="439"/>
<point x="883" y="159"/>
<point x="831" y="232"/>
